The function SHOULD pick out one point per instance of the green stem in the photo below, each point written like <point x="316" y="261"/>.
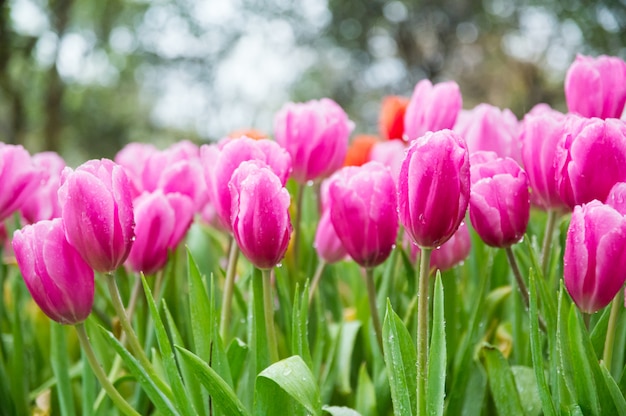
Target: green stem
<point x="268" y="306"/>
<point x="229" y="286"/>
<point x="316" y="280"/>
<point x="119" y="401"/>
<point x="547" y="241"/>
<point x="609" y="342"/>
<point x="521" y="285"/>
<point x="117" y="362"/>
<point x="133" y="342"/>
<point x="297" y="228"/>
<point x="371" y="295"/>
<point x="422" y="330"/>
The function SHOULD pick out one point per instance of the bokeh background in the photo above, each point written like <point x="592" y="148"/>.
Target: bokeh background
<point x="85" y="77"/>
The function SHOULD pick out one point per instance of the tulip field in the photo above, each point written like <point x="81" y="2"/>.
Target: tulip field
<point x="462" y="262"/>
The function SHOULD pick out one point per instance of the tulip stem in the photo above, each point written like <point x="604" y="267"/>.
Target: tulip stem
<point x="547" y="241"/>
<point x="371" y="295"/>
<point x="316" y="280"/>
<point x="115" y="396"/>
<point x="229" y="286"/>
<point x="133" y="342"/>
<point x="268" y="306"/>
<point x="521" y="285"/>
<point x="609" y="342"/>
<point x="296" y="229"/>
<point x="422" y="329"/>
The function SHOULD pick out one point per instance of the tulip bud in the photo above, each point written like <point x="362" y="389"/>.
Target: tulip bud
<point x="594" y="260"/>
<point x="591" y="158"/>
<point x="596" y="87"/>
<point x="488" y="128"/>
<point x="359" y="150"/>
<point x="499" y="199"/>
<point x="617" y="197"/>
<point x="542" y="130"/>
<point x="327" y="243"/>
<point x="161" y="221"/>
<point x="133" y="158"/>
<point x="260" y="214"/>
<point x="434" y="187"/>
<point x="363" y="210"/>
<point x="391" y="119"/>
<point x="42" y="203"/>
<point x="450" y="253"/>
<point x="97" y="211"/>
<point x="59" y="280"/>
<point x="315" y="134"/>
<point x="432" y="108"/>
<point x="18" y="178"/>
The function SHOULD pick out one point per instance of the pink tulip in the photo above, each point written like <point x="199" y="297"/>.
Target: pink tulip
<point x="260" y="214"/>
<point x="43" y="204"/>
<point x="488" y="128"/>
<point x="595" y="255"/>
<point x="133" y="158"/>
<point x="391" y="154"/>
<point x="432" y="108"/>
<point x="327" y="244"/>
<point x="499" y="199"/>
<point x="596" y="87"/>
<point x="161" y="223"/>
<point x="19" y="178"/>
<point x="542" y="130"/>
<point x="97" y="210"/>
<point x="434" y="187"/>
<point x="450" y="253"/>
<point x="220" y="161"/>
<point x="363" y="211"/>
<point x="617" y="197"/>
<point x="58" y="279"/>
<point x="315" y="134"/>
<point x="591" y="158"/>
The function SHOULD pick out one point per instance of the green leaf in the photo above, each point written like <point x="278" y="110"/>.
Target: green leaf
<point x="237" y="353"/>
<point x="400" y="360"/>
<point x="299" y="331"/>
<point x="436" y="387"/>
<point x="18" y="365"/>
<point x="160" y="400"/>
<point x="292" y="377"/>
<point x="536" y="351"/>
<point x="60" y="367"/>
<point x="220" y="391"/>
<point x="501" y="382"/>
<point x="614" y="390"/>
<point x="171" y="369"/>
<point x="365" y="394"/>
<point x="527" y="389"/>
<point x="340" y="411"/>
<point x="194" y="389"/>
<point x="346" y="347"/>
<point x="582" y="374"/>
<point x="567" y="393"/>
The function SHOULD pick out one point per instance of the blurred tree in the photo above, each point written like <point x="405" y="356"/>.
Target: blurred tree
<point x="86" y="77"/>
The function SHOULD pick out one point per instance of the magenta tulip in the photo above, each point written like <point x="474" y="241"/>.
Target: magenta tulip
<point x="434" y="188"/>
<point x="42" y="203"/>
<point x="260" y="214"/>
<point x="220" y="161"/>
<point x="58" y="279"/>
<point x="161" y="221"/>
<point x="363" y="211"/>
<point x="596" y="87"/>
<point x="19" y="178"/>
<point x="595" y="255"/>
<point x="316" y="136"/>
<point x="489" y="128"/>
<point x="499" y="199"/>
<point x="432" y="108"/>
<point x="617" y="197"/>
<point x="452" y="252"/>
<point x="591" y="158"/>
<point x="391" y="154"/>
<point x="97" y="210"/>
<point x="542" y="130"/>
